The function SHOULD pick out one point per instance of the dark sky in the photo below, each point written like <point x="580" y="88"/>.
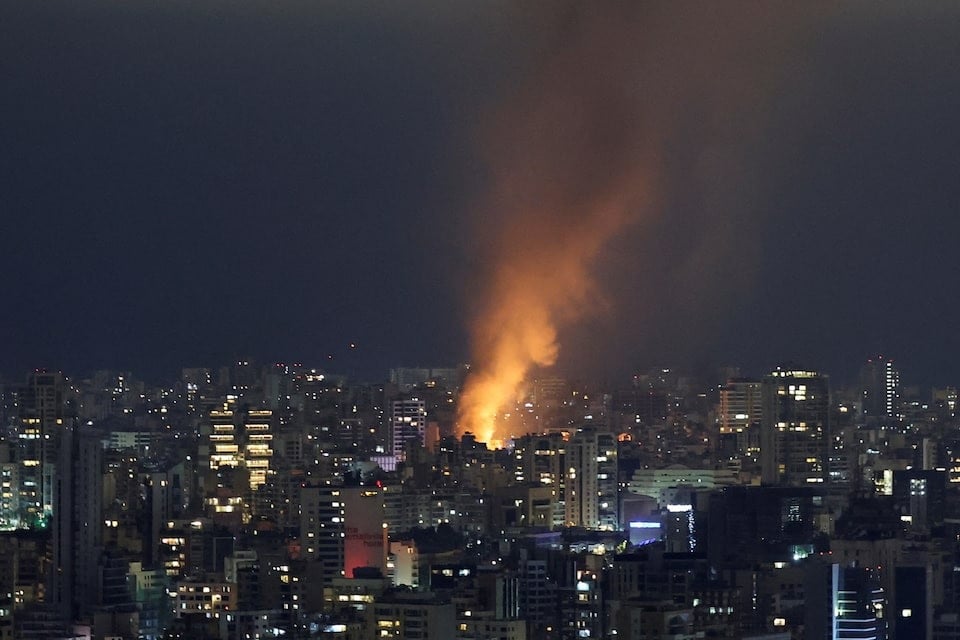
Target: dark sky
<point x="185" y="183"/>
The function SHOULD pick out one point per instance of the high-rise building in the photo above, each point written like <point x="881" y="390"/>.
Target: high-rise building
<point x="683" y="521"/>
<point x="913" y="600"/>
<point x="608" y="482"/>
<point x="9" y="496"/>
<point x="222" y="482"/>
<point x="541" y="461"/>
<point x="40" y="422"/>
<point x="581" y="483"/>
<point x="220" y="439"/>
<point x="741" y="414"/>
<point x="77" y="526"/>
<point x="342" y="529"/>
<point x="364" y="528"/>
<point x="844" y="603"/>
<point x="592" y="488"/>
<point x="795" y="433"/>
<point x="257" y="448"/>
<point x="408" y="425"/>
<point x="322" y="510"/>
<point x="163" y="495"/>
<point x="880" y="389"/>
<point x="538" y="594"/>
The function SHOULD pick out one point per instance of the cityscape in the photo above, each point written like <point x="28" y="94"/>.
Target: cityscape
<point x="459" y="320"/>
<point x="264" y="501"/>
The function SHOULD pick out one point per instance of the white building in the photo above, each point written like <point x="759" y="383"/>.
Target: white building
<point x="661" y="483"/>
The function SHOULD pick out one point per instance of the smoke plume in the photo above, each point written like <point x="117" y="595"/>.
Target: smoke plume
<point x="567" y="175"/>
<point x="574" y="153"/>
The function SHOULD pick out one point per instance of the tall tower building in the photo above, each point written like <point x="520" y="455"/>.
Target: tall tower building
<point x="232" y="442"/>
<point x="591" y="486"/>
<point x="795" y="433"/>
<point x="608" y="482"/>
<point x="542" y="461"/>
<point x="880" y="389"/>
<point x="322" y="510"/>
<point x="257" y="448"/>
<point x="219" y="440"/>
<point x="41" y="420"/>
<point x="222" y="481"/>
<point x="9" y="496"/>
<point x="342" y="529"/>
<point x="581" y="504"/>
<point x="77" y="524"/>
<point x="365" y="531"/>
<point x="408" y="425"/>
<point x="844" y="603"/>
<point x="741" y="414"/>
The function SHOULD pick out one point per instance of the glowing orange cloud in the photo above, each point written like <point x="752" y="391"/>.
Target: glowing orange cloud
<point x="565" y="177"/>
<point x="608" y="94"/>
<point x="542" y="282"/>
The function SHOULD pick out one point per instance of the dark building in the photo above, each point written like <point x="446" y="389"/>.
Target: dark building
<point x="795" y="434"/>
<point x="41" y="418"/>
<point x="920" y="495"/>
<point x="749" y="524"/>
<point x="912" y="613"/>
<point x="77" y="527"/>
<point x="880" y="390"/>
<point x="844" y="603"/>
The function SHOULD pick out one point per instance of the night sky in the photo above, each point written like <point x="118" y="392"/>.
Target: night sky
<point x="187" y="183"/>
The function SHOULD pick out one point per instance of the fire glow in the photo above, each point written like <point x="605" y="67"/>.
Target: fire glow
<point x="566" y="173"/>
<point x="541" y="282"/>
<point x="599" y="119"/>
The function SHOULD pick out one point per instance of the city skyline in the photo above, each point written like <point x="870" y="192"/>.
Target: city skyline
<point x="458" y="320"/>
<point x="187" y="184"/>
<point x="242" y="501"/>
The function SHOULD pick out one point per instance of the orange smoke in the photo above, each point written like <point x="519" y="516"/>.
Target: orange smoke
<point x="543" y="283"/>
<point x="565" y="178"/>
<point x="610" y="93"/>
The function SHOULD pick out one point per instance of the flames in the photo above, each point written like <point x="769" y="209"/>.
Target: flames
<point x="566" y="173"/>
<point x="565" y="176"/>
<point x="616" y="100"/>
<point x="541" y="281"/>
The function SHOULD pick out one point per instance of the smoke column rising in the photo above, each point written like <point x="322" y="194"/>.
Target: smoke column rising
<point x="566" y="176"/>
<point x="625" y="111"/>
